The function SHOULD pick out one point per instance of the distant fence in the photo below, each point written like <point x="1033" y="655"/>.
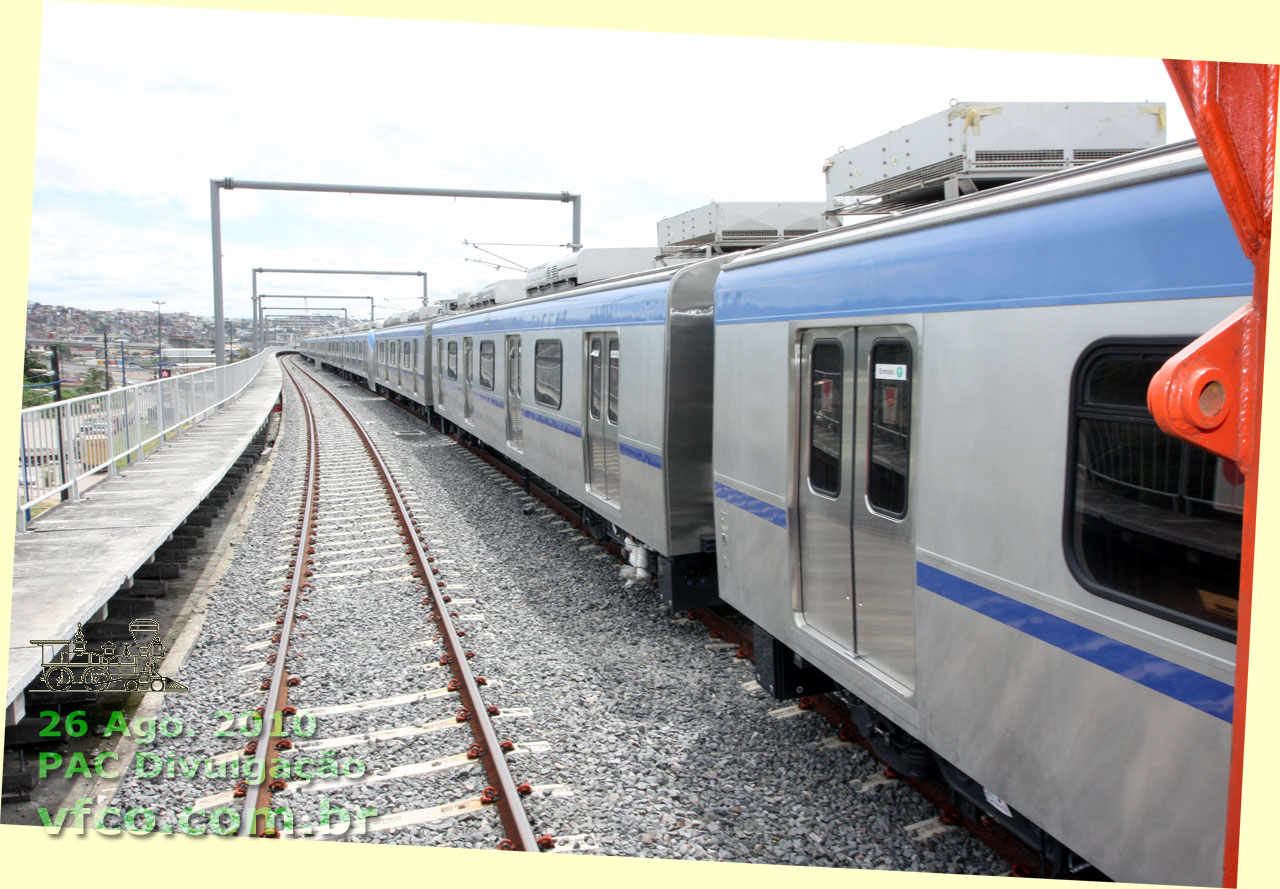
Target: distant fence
<point x="61" y="445"/>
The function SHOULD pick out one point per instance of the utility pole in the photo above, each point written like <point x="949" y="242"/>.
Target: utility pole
<point x="159" y="354"/>
<point x="62" y="432"/>
<point x="106" y="358"/>
<point x="57" y="373"/>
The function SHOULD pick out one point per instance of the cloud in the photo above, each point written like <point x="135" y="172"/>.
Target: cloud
<point x="140" y="107"/>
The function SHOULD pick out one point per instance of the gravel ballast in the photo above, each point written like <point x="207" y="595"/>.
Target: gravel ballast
<point x="641" y="735"/>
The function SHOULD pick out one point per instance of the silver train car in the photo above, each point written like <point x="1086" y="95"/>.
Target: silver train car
<point x="399" y="363"/>
<point x="937" y="482"/>
<point x="916" y="454"/>
<point x="389" y="360"/>
<point x="544" y="383"/>
<point x="346" y="353"/>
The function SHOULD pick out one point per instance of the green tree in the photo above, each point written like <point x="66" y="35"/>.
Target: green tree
<point x="35" y="372"/>
<point x="33" y="368"/>
<point x="33" y="397"/>
<point x="94" y="381"/>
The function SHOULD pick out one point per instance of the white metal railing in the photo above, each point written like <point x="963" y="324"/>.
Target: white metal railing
<point x="61" y="445"/>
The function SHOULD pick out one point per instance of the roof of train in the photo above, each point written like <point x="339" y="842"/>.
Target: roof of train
<point x="1178" y="159"/>
<point x="1165" y="161"/>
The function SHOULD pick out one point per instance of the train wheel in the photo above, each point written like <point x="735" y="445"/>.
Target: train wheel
<point x="594" y="524"/>
<point x="96" y="678"/>
<point x="157" y="684"/>
<point x="59" y="678"/>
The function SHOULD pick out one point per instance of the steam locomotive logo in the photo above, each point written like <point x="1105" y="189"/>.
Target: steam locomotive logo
<point x="136" y="667"/>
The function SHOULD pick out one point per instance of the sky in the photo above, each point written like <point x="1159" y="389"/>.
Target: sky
<point x="139" y="107"/>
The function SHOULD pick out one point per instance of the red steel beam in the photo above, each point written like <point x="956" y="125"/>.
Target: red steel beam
<point x="1210" y="393"/>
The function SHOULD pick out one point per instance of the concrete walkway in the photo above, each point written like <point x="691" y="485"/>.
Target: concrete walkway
<point x="72" y="560"/>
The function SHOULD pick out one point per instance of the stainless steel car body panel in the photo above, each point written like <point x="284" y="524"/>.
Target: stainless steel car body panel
<point x="397" y="362"/>
<point x="512" y="384"/>
<point x="599" y="437"/>
<point x="424" y="367"/>
<point x="825" y="492"/>
<point x="468" y="407"/>
<point x="688" y="380"/>
<point x="662" y="471"/>
<point x="1106" y="725"/>
<point x="883" y="542"/>
<point x="1136" y="779"/>
<point x="1085" y="752"/>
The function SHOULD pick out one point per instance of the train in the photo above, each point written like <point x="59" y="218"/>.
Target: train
<point x="70" y="665"/>
<point x="915" y="453"/>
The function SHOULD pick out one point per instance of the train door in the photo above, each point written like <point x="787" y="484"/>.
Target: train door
<point x="466" y="377"/>
<point x="601" y="421"/>
<point x="825" y="492"/>
<point x="413" y="367"/>
<point x="856" y="534"/>
<point x="515" y="420"/>
<point x="439" y="396"/>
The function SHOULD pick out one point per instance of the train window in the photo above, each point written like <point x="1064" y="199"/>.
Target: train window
<point x="593" y="354"/>
<point x="547" y="372"/>
<point x="453" y="361"/>
<point x="486" y="364"/>
<point x="613" y="380"/>
<point x="889" y="442"/>
<point x="826" y="420"/>
<point x="1151" y="521"/>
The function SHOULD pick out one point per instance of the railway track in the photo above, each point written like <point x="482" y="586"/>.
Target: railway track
<point x="1023" y="860"/>
<point x="348" y="513"/>
<point x="656" y="745"/>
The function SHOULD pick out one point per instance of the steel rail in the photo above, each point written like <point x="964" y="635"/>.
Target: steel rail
<point x="257" y="801"/>
<point x="514" y="820"/>
<point x="1023" y="860"/>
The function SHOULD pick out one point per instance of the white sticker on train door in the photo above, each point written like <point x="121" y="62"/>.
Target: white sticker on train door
<point x="891" y="371"/>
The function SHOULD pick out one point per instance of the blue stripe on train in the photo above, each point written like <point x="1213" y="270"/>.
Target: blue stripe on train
<point x="1170" y="679"/>
<point x="645" y="457"/>
<point x="553" y="423"/>
<point x="1169" y="239"/>
<point x="753" y="505"/>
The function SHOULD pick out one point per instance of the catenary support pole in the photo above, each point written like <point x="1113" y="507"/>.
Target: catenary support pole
<point x="219" y="336"/>
<point x="228" y="183"/>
